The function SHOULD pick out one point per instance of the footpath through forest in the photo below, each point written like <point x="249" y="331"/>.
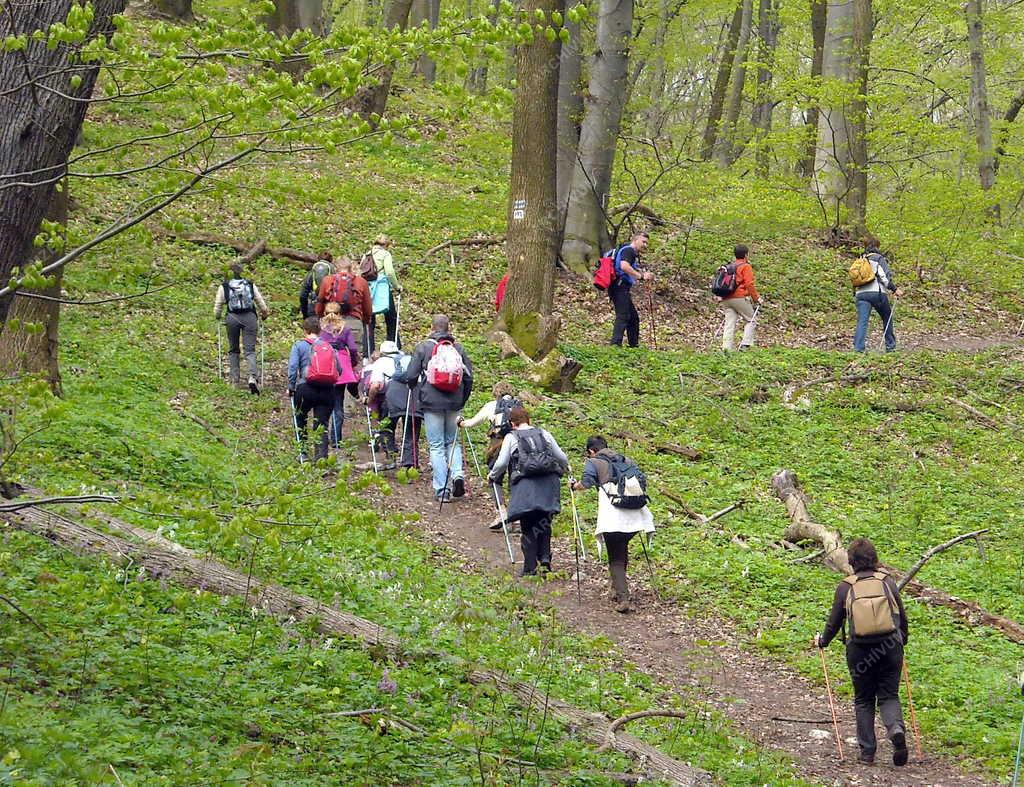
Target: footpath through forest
<point x="695" y="657"/>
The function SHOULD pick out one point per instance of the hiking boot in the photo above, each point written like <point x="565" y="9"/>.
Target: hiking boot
<point x="623" y="606"/>
<point x="497" y="525"/>
<point x="458" y="487"/>
<point x="546" y="566"/>
<point x="253" y="387"/>
<point x="900" y="753"/>
<point x="303" y="459"/>
<point x="443" y="496"/>
<point x="865" y="758"/>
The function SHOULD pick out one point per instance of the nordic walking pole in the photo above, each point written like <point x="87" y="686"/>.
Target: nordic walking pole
<point x="831" y="703"/>
<point x="577" y="529"/>
<point x="398" y="319"/>
<point x="472" y="451"/>
<point x="369" y="433"/>
<point x="263" y="350"/>
<point x="913" y="714"/>
<point x="295" y="423"/>
<point x="405" y="427"/>
<point x="220" y="353"/>
<point x="892" y="313"/>
<point x="650" y="308"/>
<point x="650" y="568"/>
<point x="504" y="520"/>
<point x="576" y="539"/>
<point x="448" y="469"/>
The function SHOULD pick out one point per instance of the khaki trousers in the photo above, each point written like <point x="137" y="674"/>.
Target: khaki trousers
<point x="735" y="308"/>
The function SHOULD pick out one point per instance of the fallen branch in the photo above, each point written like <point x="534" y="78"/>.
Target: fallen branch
<point x="626" y="719"/>
<point x="630" y="208"/>
<point x="988" y="421"/>
<point x="935" y="551"/>
<point x="684" y="451"/>
<point x="244" y="248"/>
<point x="190" y="570"/>
<point x="258" y="248"/>
<point x="178" y="406"/>
<point x="24" y="614"/>
<point x="791" y="391"/>
<point x="50" y="501"/>
<point x="450" y="244"/>
<point x="803" y="528"/>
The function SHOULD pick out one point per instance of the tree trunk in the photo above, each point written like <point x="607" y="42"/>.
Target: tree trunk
<point x="291" y="16"/>
<point x="477" y="80"/>
<point x="1009" y="117"/>
<point x="586" y="232"/>
<point x="819" y="12"/>
<point x="38" y="127"/>
<point x="721" y="84"/>
<point x="532" y="239"/>
<point x="570" y="113"/>
<point x="833" y="155"/>
<point x="655" y="112"/>
<point x="177" y="9"/>
<point x="974" y="11"/>
<point x="761" y="118"/>
<point x="428" y="11"/>
<point x="857" y="197"/>
<point x="36" y="352"/>
<point x="373" y="100"/>
<point x="727" y="134"/>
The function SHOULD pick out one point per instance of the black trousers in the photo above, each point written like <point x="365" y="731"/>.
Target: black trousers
<point x="390" y="323"/>
<point x="617" y="545"/>
<point x="876" y="669"/>
<point x="319" y="399"/>
<point x="410" y="437"/>
<point x="627" y="318"/>
<point x="536" y="540"/>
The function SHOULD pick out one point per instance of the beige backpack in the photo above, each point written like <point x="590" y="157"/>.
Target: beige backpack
<point x="861" y="272"/>
<point x="870" y="606"/>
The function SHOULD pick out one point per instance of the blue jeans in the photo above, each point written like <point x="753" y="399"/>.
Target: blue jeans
<point x="879" y="302"/>
<point x="442" y="434"/>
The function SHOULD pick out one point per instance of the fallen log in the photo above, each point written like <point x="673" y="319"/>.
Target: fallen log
<point x="185" y="567"/>
<point x="802" y="527"/>
<point x="244" y="248"/>
<point x="684" y="451"/>
<point x="987" y="420"/>
<point x="468" y="242"/>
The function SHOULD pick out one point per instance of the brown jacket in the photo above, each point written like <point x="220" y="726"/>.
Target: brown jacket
<point x="360" y="302"/>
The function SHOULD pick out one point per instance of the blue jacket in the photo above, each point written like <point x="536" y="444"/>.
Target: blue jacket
<point x="298" y="363"/>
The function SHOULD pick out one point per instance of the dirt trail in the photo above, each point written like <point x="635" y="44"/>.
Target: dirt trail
<point x="695" y="657"/>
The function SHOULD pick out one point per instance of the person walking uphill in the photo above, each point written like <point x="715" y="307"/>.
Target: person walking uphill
<point x="383" y="288"/>
<point x="869" y="602"/>
<point x="497" y="414"/>
<point x="535" y="465"/>
<point x="441" y="372"/>
<point x="626" y="260"/>
<point x="242" y="300"/>
<point x="622" y="510"/>
<point x="309" y="291"/>
<point x="871" y="279"/>
<point x="313" y="371"/>
<point x="352" y="294"/>
<point x="741" y="302"/>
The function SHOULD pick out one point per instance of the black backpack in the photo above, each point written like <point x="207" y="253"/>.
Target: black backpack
<point x="503" y="407"/>
<point x="629" y="482"/>
<point x="725" y="281"/>
<point x="533" y="456"/>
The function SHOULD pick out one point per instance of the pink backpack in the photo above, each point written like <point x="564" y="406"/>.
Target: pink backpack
<point x="324" y="367"/>
<point x="444" y="369"/>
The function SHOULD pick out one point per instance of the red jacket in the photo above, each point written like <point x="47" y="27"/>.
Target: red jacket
<point x="499" y="296"/>
<point x="744" y="281"/>
<point x="360" y="302"/>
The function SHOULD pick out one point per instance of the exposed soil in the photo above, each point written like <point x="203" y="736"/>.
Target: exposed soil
<point x="692" y="656"/>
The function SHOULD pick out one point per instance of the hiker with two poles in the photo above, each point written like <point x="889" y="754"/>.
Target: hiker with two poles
<point x="378" y="268"/>
<point x="872" y="280"/>
<point x="243" y="306"/>
<point x="622" y="510"/>
<point x="868" y="602"/>
<point x="441" y="374"/>
<point x="497" y="414"/>
<point x="617" y="272"/>
<point x="395" y="402"/>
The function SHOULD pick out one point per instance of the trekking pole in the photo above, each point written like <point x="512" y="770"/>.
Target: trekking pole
<point x="405" y="428"/>
<point x="831" y="703"/>
<point x="913" y="714"/>
<point x="650" y="308"/>
<point x="504" y="520"/>
<point x="295" y="423"/>
<point x="220" y="353"/>
<point x="448" y="469"/>
<point x="398" y="319"/>
<point x="263" y="350"/>
<point x="472" y="451"/>
<point x="650" y="567"/>
<point x="885" y="330"/>
<point x="577" y="528"/>
<point x="369" y="432"/>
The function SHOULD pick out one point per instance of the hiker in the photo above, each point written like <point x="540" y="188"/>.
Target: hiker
<point x="740" y="302"/>
<point x="869" y="601"/>
<point x="871" y="294"/>
<point x="497" y="414"/>
<point x="499" y="294"/>
<point x="622" y="510"/>
<point x="336" y="333"/>
<point x="383" y="288"/>
<point x="441" y="372"/>
<point x="626" y="262"/>
<point x="535" y="465"/>
<point x="310" y="289"/>
<point x="352" y="294"/>
<point x="395" y="402"/>
<point x="241" y="300"/>
<point x="312" y="375"/>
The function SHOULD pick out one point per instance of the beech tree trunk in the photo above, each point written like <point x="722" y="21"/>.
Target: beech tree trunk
<point x="586" y="232"/>
<point x="477" y="79"/>
<point x="428" y="11"/>
<point x="532" y="238"/>
<point x="974" y="11"/>
<point x="819" y="12"/>
<point x="727" y="134"/>
<point x="36" y="351"/>
<point x="570" y="113"/>
<point x="38" y="128"/>
<point x="655" y="112"/>
<point x="721" y="84"/>
<point x="857" y="196"/>
<point x="373" y="100"/>
<point x="291" y="16"/>
<point x="761" y="118"/>
<point x="178" y="9"/>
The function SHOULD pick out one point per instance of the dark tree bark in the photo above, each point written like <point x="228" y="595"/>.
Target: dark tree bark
<point x="819" y="12"/>
<point x="727" y="133"/>
<point x="38" y="127"/>
<point x="857" y="197"/>
<point x="532" y="240"/>
<point x="721" y="84"/>
<point x="761" y="118"/>
<point x="177" y="9"/>
<point x="570" y="113"/>
<point x="36" y="352"/>
<point x="1009" y="117"/>
<point x="373" y="100"/>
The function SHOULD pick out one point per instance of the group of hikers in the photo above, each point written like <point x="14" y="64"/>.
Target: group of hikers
<point x="734" y="286"/>
<point x="336" y="361"/>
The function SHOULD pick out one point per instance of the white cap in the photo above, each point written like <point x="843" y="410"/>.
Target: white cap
<point x="389" y="348"/>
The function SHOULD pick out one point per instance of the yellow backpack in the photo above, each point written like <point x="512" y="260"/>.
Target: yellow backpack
<point x="861" y="272"/>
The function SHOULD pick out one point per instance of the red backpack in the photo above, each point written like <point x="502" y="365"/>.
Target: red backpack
<point x="323" y="366"/>
<point x="605" y="273"/>
<point x="339" y="295"/>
